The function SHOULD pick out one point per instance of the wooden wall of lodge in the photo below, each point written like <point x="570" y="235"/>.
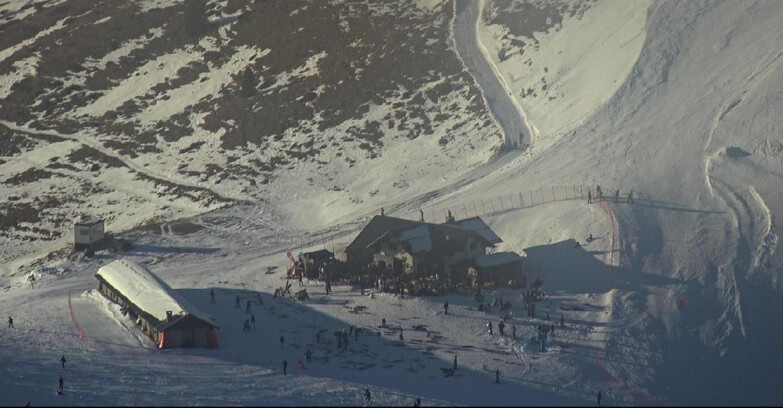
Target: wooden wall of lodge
<point x="188" y="332"/>
<point x="142" y="318"/>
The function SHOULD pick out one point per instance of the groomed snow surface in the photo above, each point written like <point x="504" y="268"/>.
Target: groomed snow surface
<point x="685" y="310"/>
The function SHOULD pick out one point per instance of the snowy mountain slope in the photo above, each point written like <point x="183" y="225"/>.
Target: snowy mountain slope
<point x="158" y="88"/>
<point x="681" y="312"/>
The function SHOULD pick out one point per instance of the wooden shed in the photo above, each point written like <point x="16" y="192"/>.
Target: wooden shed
<point x="498" y="269"/>
<point x="168" y="318"/>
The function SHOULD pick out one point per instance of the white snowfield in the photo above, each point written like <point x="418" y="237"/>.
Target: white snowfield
<point x="148" y="292"/>
<point x="676" y="300"/>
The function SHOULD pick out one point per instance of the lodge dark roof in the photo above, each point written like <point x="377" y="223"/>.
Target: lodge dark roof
<point x="414" y="235"/>
<point x="319" y="255"/>
<point x="378" y="225"/>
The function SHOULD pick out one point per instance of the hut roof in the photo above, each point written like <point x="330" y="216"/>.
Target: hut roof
<point x="146" y="291"/>
<point x="478" y="225"/>
<point x="499" y="258"/>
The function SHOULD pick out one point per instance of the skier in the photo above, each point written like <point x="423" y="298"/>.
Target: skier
<point x="446" y="308"/>
<point x="236" y="306"/>
<point x="455" y="362"/>
<point x="10" y="322"/>
<point x="367" y="397"/>
<point x="598" y="398"/>
<point x="513" y="331"/>
<point x="285" y="367"/>
<point x="308" y="355"/>
<point x="60" y="385"/>
<point x="501" y="326"/>
<point x="282" y="342"/>
<point x="383" y="322"/>
<point x="62" y="361"/>
<point x="247" y="306"/>
<point x="31" y="278"/>
<point x="212" y="296"/>
<point x="497" y="376"/>
<point x="246" y="327"/>
<point x="630" y="197"/>
<point x="589" y="196"/>
<point x="489" y="326"/>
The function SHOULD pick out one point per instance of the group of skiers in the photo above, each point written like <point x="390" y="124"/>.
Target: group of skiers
<point x="600" y="195"/>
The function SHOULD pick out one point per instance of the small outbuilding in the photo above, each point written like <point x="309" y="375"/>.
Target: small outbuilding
<point x="88" y="234"/>
<point x="168" y="318"/>
<point x="498" y="269"/>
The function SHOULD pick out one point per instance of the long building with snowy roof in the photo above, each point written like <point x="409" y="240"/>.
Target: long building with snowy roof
<point x="168" y="318"/>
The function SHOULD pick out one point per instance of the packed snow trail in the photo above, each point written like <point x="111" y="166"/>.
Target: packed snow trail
<point x="96" y="145"/>
<point x="505" y="110"/>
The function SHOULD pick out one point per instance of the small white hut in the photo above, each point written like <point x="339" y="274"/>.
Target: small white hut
<point x="88" y="234"/>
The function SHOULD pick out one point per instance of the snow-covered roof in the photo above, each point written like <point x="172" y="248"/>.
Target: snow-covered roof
<point x="499" y="258"/>
<point x="478" y="225"/>
<point x="145" y="290"/>
<point x="418" y="238"/>
<point x="91" y="221"/>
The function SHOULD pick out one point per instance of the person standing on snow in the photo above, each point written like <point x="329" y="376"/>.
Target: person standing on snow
<point x="598" y="398"/>
<point x="308" y="355"/>
<point x="246" y="327"/>
<point x="589" y="196"/>
<point x="367" y="397"/>
<point x="285" y="367"/>
<point x="60" y="385"/>
<point x="497" y="376"/>
<point x="446" y="308"/>
<point x="10" y="322"/>
<point x="489" y="326"/>
<point x="501" y="326"/>
<point x="401" y="339"/>
<point x="513" y="331"/>
<point x="62" y="361"/>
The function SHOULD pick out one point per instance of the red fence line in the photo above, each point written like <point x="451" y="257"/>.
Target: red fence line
<point x="73" y="317"/>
